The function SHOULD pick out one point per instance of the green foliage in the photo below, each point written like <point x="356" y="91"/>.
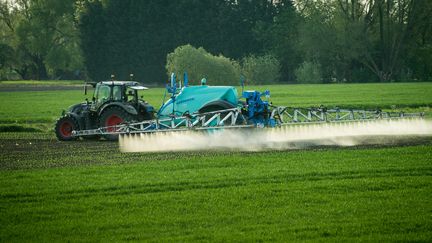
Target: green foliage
<point x="281" y="37"/>
<point x="261" y="69"/>
<point x="124" y="36"/>
<point x="365" y="41"/>
<point x="323" y="46"/>
<point x="200" y="64"/>
<point x="309" y="72"/>
<point x="7" y="61"/>
<point x="92" y="27"/>
<point x="43" y="38"/>
<point x="353" y="40"/>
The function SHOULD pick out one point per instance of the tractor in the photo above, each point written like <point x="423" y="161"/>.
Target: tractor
<point x="116" y="103"/>
<point x="113" y="103"/>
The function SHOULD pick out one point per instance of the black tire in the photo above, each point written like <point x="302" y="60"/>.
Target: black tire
<point x="64" y="127"/>
<point x="113" y="116"/>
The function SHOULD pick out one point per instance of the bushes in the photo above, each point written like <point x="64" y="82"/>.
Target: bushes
<point x="309" y="72"/>
<point x="201" y="64"/>
<point x="221" y="70"/>
<point x="261" y="69"/>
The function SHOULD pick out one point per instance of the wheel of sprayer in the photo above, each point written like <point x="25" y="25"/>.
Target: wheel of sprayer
<point x="111" y="117"/>
<point x="64" y="127"/>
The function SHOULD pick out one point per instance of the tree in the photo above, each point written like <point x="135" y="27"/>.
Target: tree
<point x="260" y="69"/>
<point x="386" y="27"/>
<point x="92" y="32"/>
<point x="137" y="35"/>
<point x="280" y="37"/>
<point x="362" y="41"/>
<point x="308" y="72"/>
<point x="199" y="63"/>
<point x="42" y="35"/>
<point x="320" y="44"/>
<point x="418" y="52"/>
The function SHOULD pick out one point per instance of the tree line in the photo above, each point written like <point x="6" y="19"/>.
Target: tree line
<point x="308" y="41"/>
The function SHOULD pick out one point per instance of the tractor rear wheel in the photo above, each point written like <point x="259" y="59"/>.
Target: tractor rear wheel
<point x="64" y="127"/>
<point x="112" y="117"/>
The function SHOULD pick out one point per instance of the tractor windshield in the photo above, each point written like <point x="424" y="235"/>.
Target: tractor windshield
<point x="102" y="93"/>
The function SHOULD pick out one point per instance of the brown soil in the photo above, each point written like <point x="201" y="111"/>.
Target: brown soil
<point x="32" y="152"/>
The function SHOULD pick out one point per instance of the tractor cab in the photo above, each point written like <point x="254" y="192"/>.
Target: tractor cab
<point x="107" y="92"/>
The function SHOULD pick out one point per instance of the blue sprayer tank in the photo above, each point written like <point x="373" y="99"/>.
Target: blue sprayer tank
<point x="192" y="99"/>
<point x="204" y="98"/>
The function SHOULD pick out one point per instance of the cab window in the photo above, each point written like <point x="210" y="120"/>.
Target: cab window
<point x="131" y="94"/>
<point x="117" y="93"/>
<point x="103" y="93"/>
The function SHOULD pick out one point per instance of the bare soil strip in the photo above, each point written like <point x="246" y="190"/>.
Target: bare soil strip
<point x="42" y="151"/>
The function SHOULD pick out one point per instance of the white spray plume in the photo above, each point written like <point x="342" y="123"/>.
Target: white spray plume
<point x="286" y="137"/>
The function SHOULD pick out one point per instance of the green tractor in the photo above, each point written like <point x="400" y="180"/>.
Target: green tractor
<point x="113" y="103"/>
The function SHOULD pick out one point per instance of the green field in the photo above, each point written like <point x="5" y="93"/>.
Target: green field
<point x="46" y="106"/>
<point x="51" y="192"/>
<point x="89" y="191"/>
<point x="21" y="83"/>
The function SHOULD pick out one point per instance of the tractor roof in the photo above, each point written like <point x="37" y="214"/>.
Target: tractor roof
<point x="131" y="84"/>
<point x="127" y="83"/>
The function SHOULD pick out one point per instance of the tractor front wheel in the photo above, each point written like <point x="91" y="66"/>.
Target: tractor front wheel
<point x="112" y="117"/>
<point x="64" y="127"/>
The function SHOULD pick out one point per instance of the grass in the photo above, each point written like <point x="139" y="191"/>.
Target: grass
<point x="6" y="83"/>
<point x="90" y="191"/>
<point x="379" y="194"/>
<point x="370" y="96"/>
<point x="46" y="106"/>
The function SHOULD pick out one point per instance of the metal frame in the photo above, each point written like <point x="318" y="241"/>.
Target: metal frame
<point x="233" y="118"/>
<point x="290" y="115"/>
<point x="228" y="118"/>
